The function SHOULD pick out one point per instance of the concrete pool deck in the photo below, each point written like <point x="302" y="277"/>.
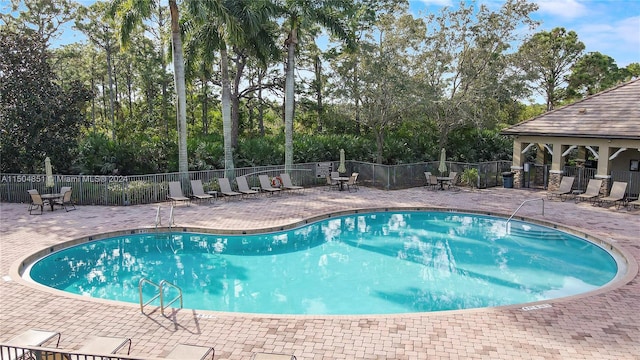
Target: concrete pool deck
<point x="605" y="325"/>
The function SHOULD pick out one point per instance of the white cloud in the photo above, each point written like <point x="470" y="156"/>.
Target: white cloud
<point x="436" y="2"/>
<point x="619" y="39"/>
<point x="567" y="9"/>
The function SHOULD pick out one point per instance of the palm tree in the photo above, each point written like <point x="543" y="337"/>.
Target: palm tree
<point x="302" y="14"/>
<point x="237" y="23"/>
<point x="130" y="14"/>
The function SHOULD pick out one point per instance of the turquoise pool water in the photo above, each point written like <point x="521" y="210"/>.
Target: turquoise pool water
<point x="367" y="263"/>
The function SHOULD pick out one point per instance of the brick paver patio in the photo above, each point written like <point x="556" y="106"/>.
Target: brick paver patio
<point x="601" y="325"/>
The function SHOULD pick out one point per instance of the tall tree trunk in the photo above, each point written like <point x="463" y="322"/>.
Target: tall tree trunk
<point x="205" y="102"/>
<point x="165" y="96"/>
<point x="261" y="73"/>
<point x="318" y="73"/>
<point x="226" y="114"/>
<point x="181" y="108"/>
<point x="289" y="100"/>
<point x="235" y="100"/>
<point x="111" y="101"/>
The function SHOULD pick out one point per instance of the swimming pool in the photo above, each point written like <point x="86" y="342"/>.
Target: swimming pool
<point x="363" y="263"/>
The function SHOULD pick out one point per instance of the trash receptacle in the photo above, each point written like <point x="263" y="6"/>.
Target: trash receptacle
<point x="507" y="179"/>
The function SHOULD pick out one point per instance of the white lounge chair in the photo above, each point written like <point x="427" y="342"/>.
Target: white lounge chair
<point x="243" y="186"/>
<point x="566" y="184"/>
<point x="198" y="191"/>
<point x="287" y="184"/>
<point x="267" y="356"/>
<point x="175" y="193"/>
<point x="225" y="188"/>
<point x="191" y="352"/>
<point x="30" y="337"/>
<point x="592" y="192"/>
<point x="105" y="345"/>
<point x="616" y="196"/>
<point x="265" y="184"/>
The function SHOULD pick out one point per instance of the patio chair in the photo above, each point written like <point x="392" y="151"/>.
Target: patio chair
<point x="30" y="337"/>
<point x="36" y="201"/>
<point x="592" y="192"/>
<point x="616" y="196"/>
<point x="197" y="191"/>
<point x="175" y="193"/>
<point x="351" y="183"/>
<point x="287" y="184"/>
<point x="432" y="182"/>
<point x="65" y="201"/>
<point x="453" y="179"/>
<point x="243" y="186"/>
<point x="265" y="184"/>
<point x="566" y="185"/>
<point x="332" y="184"/>
<point x="105" y="345"/>
<point x="225" y="188"/>
<point x="268" y="356"/>
<point x="191" y="352"/>
<point x="633" y="204"/>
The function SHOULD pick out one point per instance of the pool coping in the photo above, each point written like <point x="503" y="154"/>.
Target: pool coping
<point x="18" y="268"/>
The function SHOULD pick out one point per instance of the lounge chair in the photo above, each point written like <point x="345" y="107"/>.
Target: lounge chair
<point x="267" y="356"/>
<point x="65" y="201"/>
<point x="265" y="184"/>
<point x="243" y="186"/>
<point x="287" y="184"/>
<point x="592" y="192"/>
<point x="36" y="201"/>
<point x="633" y="204"/>
<point x="175" y="193"/>
<point x="190" y="352"/>
<point x="30" y="337"/>
<point x="197" y="191"/>
<point x="105" y="345"/>
<point x="225" y="188"/>
<point x="616" y="196"/>
<point x="566" y="184"/>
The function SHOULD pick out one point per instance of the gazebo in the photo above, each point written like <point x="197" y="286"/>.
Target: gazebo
<point x="604" y="127"/>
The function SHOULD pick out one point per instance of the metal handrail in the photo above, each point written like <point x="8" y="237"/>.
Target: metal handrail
<point x="157" y="286"/>
<point x="524" y="202"/>
<point x="164" y="283"/>
<point x="158" y="218"/>
<point x="171" y="219"/>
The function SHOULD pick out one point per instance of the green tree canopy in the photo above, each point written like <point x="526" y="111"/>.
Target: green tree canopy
<point x="37" y="117"/>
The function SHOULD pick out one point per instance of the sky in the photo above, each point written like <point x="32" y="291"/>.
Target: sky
<point x="611" y="27"/>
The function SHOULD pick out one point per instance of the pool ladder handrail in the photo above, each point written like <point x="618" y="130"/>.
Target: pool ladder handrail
<point x="519" y="207"/>
<point x="160" y="294"/>
<point x="159" y="218"/>
<point x="172" y="221"/>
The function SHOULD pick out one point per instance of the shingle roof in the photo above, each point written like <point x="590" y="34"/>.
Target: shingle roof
<point x="611" y="114"/>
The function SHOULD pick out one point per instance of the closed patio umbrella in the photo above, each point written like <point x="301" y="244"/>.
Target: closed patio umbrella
<point x="442" y="168"/>
<point x="342" y="168"/>
<point x="49" y="171"/>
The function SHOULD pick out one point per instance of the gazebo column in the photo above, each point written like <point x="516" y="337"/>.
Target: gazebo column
<point x="540" y="160"/>
<point x="603" y="169"/>
<point x="517" y="164"/>
<point x="557" y="165"/>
